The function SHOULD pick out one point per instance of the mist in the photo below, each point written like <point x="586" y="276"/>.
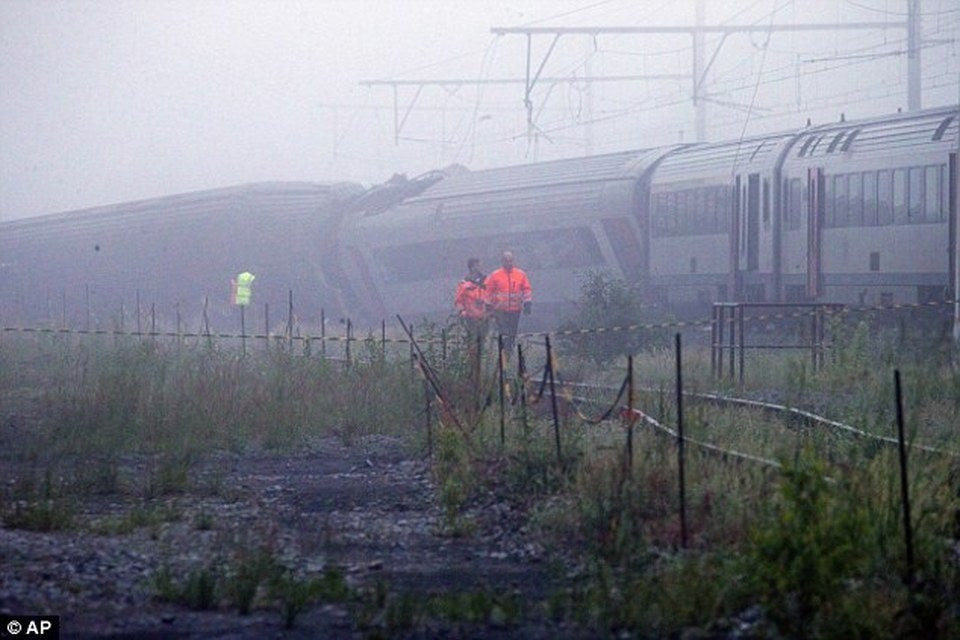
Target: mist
<point x="106" y="102"/>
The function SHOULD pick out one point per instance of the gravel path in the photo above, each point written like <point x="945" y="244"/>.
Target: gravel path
<point x="367" y="509"/>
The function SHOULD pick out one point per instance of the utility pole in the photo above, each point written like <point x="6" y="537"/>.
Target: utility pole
<point x="699" y="74"/>
<point x="696" y="33"/>
<point x="914" y="44"/>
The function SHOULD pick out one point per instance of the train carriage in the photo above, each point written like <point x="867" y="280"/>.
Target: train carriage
<point x="712" y="223"/>
<point x="869" y="210"/>
<point x="561" y="219"/>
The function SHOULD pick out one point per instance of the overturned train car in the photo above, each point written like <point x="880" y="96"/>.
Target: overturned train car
<point x="176" y="255"/>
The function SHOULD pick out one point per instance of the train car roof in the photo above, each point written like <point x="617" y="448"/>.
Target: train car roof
<point x="271" y="198"/>
<point x="611" y="166"/>
<point x="717" y="158"/>
<point x="912" y="130"/>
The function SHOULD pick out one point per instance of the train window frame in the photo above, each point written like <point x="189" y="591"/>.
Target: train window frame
<point x="901" y="190"/>
<point x="855" y="199"/>
<point x="871" y="204"/>
<point x="836" y="141"/>
<point x="884" y="197"/>
<point x="806" y="145"/>
<point x="841" y="212"/>
<point x="932" y="198"/>
<point x="849" y="140"/>
<point x="916" y="198"/>
<point x="795" y="204"/>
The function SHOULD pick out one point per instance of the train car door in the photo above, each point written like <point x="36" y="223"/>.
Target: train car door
<point x="815" y="204"/>
<point x="752" y="227"/>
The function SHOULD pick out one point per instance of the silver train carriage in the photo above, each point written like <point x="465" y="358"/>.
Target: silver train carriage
<point x="560" y="218"/>
<point x="88" y="268"/>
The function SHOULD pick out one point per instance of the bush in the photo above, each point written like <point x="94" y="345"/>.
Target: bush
<point x="606" y="301"/>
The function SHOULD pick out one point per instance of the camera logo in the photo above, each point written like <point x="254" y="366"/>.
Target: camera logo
<point x="47" y="627"/>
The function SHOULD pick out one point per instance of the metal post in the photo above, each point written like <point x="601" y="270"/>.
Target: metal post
<point x="153" y="321"/>
<point x="813" y="335"/>
<point x="290" y="319"/>
<point x="521" y="373"/>
<point x="266" y="324"/>
<point x="500" y="378"/>
<point x="349" y="332"/>
<point x="713" y="341"/>
<point x="323" y="334"/>
<point x="426" y="397"/>
<point x="630" y="415"/>
<point x="243" y="329"/>
<point x="904" y="487"/>
<point x="743" y="341"/>
<point x="721" y="318"/>
<point x="733" y="337"/>
<point x="553" y="401"/>
<point x="139" y="327"/>
<point x="680" y="457"/>
<point x="86" y="297"/>
<point x="383" y="340"/>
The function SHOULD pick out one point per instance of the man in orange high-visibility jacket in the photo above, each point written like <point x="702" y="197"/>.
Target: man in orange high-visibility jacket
<point x="470" y="300"/>
<point x="508" y="293"/>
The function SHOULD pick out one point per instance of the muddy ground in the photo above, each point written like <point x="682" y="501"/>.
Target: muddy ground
<point x="367" y="509"/>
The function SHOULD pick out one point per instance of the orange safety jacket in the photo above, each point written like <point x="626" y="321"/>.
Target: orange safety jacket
<point x="508" y="290"/>
<point x="469" y="299"/>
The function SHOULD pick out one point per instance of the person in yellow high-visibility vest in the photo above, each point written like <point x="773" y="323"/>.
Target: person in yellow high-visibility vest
<point x="242" y="296"/>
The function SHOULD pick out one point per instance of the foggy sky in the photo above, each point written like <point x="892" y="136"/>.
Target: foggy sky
<point x="104" y="102"/>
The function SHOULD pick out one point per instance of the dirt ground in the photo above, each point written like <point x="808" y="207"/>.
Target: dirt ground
<point x="367" y="509"/>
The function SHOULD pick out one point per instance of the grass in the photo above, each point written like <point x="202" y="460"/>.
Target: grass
<point x="814" y="548"/>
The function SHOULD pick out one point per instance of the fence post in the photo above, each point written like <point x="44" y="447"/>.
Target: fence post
<point x="500" y="386"/>
<point x="721" y="318"/>
<point x="680" y="458"/>
<point x="733" y="338"/>
<point x="383" y="340"/>
<point x="553" y="401"/>
<point x="266" y="325"/>
<point x="243" y="328"/>
<point x="630" y="415"/>
<point x="206" y="321"/>
<point x="713" y="341"/>
<point x="904" y="487"/>
<point x="426" y="396"/>
<point x="743" y="343"/>
<point x="86" y="298"/>
<point x="139" y="327"/>
<point x="323" y="333"/>
<point x="290" y="320"/>
<point x="153" y="322"/>
<point x="521" y="373"/>
<point x="349" y="331"/>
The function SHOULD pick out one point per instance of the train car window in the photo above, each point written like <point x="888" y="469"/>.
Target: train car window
<point x="841" y="211"/>
<point x="849" y="140"/>
<point x="944" y="192"/>
<point x="814" y="146"/>
<point x="806" y="145"/>
<point x="836" y="141"/>
<point x="830" y="217"/>
<point x="870" y="198"/>
<point x="855" y="200"/>
<point x="916" y="197"/>
<point x="933" y="211"/>
<point x="938" y="134"/>
<point x="795" y="207"/>
<point x="884" y="198"/>
<point x="900" y="211"/>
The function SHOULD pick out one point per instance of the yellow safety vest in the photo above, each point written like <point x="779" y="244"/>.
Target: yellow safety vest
<point x="244" y="280"/>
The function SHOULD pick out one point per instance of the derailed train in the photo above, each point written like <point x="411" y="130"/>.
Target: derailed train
<point x="861" y="212"/>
